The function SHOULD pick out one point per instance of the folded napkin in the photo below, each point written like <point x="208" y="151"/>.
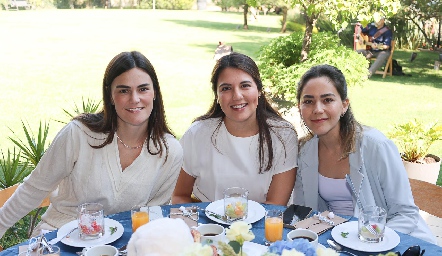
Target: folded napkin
<point x="176" y="213"/>
<point x="314" y="224"/>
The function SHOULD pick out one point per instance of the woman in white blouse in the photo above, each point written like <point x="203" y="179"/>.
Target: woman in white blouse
<point x="240" y="142"/>
<point x="120" y="157"/>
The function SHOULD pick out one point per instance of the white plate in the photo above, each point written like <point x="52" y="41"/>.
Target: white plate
<point x="255" y="211"/>
<point x="391" y="238"/>
<point x="107" y="238"/>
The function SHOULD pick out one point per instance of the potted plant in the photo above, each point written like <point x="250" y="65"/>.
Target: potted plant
<point x="414" y="139"/>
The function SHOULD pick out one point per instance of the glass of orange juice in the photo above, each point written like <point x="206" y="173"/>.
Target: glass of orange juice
<point x="140" y="216"/>
<point x="273" y="226"/>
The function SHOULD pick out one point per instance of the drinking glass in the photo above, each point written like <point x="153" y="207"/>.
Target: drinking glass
<point x="43" y="251"/>
<point x="273" y="226"/>
<point x="90" y="221"/>
<point x="235" y="203"/>
<point x="140" y="216"/>
<point x="371" y="224"/>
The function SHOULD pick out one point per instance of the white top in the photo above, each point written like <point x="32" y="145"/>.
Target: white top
<point x="84" y="174"/>
<point x="337" y="195"/>
<point x="219" y="160"/>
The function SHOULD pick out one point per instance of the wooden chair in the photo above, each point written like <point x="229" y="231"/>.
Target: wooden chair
<point x="388" y="69"/>
<point x="6" y="193"/>
<point x="427" y="196"/>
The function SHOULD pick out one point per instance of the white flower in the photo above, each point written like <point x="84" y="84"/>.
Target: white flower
<point x="196" y="249"/>
<point x="240" y="231"/>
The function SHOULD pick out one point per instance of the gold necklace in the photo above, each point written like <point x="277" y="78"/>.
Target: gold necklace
<point x="126" y="146"/>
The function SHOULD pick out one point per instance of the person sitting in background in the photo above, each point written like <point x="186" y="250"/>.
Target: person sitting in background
<point x="379" y="37"/>
<point x="336" y="145"/>
<point x="240" y="142"/>
<point x="120" y="157"/>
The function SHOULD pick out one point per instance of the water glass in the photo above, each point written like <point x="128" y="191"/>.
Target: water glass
<point x="90" y="221"/>
<point x="273" y="226"/>
<point x="235" y="203"/>
<point x="139" y="215"/>
<point x="371" y="224"/>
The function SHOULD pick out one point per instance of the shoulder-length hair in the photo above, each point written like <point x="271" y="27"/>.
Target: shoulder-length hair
<point x="105" y="121"/>
<point x="264" y="110"/>
<point x="349" y="127"/>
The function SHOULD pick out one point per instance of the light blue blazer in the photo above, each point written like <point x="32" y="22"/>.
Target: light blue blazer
<point x="379" y="177"/>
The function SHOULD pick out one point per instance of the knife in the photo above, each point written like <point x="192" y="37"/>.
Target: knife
<point x="58" y="239"/>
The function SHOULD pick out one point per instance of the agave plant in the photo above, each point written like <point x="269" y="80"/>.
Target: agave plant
<point x="12" y="170"/>
<point x="33" y="149"/>
<point x="88" y="106"/>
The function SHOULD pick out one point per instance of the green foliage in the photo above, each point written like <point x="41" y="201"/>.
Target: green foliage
<point x="174" y="4"/>
<point x="294" y="27"/>
<point x="415" y="138"/>
<point x="281" y="69"/>
<point x="12" y="170"/>
<point x="224" y="4"/>
<point x="33" y="149"/>
<point x="88" y="106"/>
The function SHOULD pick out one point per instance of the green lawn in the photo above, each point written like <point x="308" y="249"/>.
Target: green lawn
<point x="51" y="59"/>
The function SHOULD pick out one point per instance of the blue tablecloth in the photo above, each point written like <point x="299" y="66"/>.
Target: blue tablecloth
<point x="258" y="230"/>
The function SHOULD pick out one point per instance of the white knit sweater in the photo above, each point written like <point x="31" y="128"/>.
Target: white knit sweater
<point x="84" y="174"/>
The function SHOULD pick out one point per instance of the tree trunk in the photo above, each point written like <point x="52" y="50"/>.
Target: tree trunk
<point x="284" y="19"/>
<point x="246" y="10"/>
<point x="307" y="41"/>
<point x="438" y="36"/>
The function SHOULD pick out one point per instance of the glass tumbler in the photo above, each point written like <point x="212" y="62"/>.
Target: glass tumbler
<point x="371" y="224"/>
<point x="90" y="221"/>
<point x="273" y="226"/>
<point x="235" y="203"/>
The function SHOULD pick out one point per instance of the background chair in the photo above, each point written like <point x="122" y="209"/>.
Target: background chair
<point x="6" y="193"/>
<point x="388" y="69"/>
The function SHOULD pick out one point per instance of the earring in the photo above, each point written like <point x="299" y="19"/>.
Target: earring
<point x="343" y="114"/>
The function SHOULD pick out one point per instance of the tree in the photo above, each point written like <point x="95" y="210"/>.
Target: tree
<point x="419" y="12"/>
<point x="340" y="13"/>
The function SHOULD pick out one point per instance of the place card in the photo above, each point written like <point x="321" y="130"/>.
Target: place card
<point x="320" y="226"/>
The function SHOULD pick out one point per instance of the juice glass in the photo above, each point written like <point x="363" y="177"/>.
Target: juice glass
<point x="273" y="226"/>
<point x="140" y="216"/>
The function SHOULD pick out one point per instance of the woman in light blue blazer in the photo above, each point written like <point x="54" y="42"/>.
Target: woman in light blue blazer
<point x="337" y="145"/>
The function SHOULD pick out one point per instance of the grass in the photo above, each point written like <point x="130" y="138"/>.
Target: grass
<point x="52" y="59"/>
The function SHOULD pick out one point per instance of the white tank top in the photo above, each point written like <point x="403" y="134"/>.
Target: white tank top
<point x="337" y="194"/>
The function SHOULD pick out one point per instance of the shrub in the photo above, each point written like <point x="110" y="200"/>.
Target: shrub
<point x="174" y="4"/>
<point x="281" y="69"/>
<point x="415" y="138"/>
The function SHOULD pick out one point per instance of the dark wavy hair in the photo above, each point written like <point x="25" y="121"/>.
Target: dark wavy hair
<point x="349" y="127"/>
<point x="105" y="121"/>
<point x="264" y="110"/>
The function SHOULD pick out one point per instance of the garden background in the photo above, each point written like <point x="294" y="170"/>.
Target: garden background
<point x="52" y="60"/>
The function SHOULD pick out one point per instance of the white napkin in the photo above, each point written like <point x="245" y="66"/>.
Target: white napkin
<point x="160" y="237"/>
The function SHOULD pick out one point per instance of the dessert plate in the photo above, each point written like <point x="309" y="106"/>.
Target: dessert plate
<point x="255" y="211"/>
<point x="74" y="240"/>
<point x="391" y="238"/>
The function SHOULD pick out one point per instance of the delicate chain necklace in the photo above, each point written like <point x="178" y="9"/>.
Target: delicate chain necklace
<point x="126" y="146"/>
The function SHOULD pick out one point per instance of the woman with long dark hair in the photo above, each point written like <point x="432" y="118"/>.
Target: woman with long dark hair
<point x="240" y="142"/>
<point x="123" y="156"/>
<point x="336" y="145"/>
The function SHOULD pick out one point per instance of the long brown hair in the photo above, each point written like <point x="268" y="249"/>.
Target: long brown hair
<point x="349" y="127"/>
<point x="105" y="121"/>
<point x="264" y="110"/>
